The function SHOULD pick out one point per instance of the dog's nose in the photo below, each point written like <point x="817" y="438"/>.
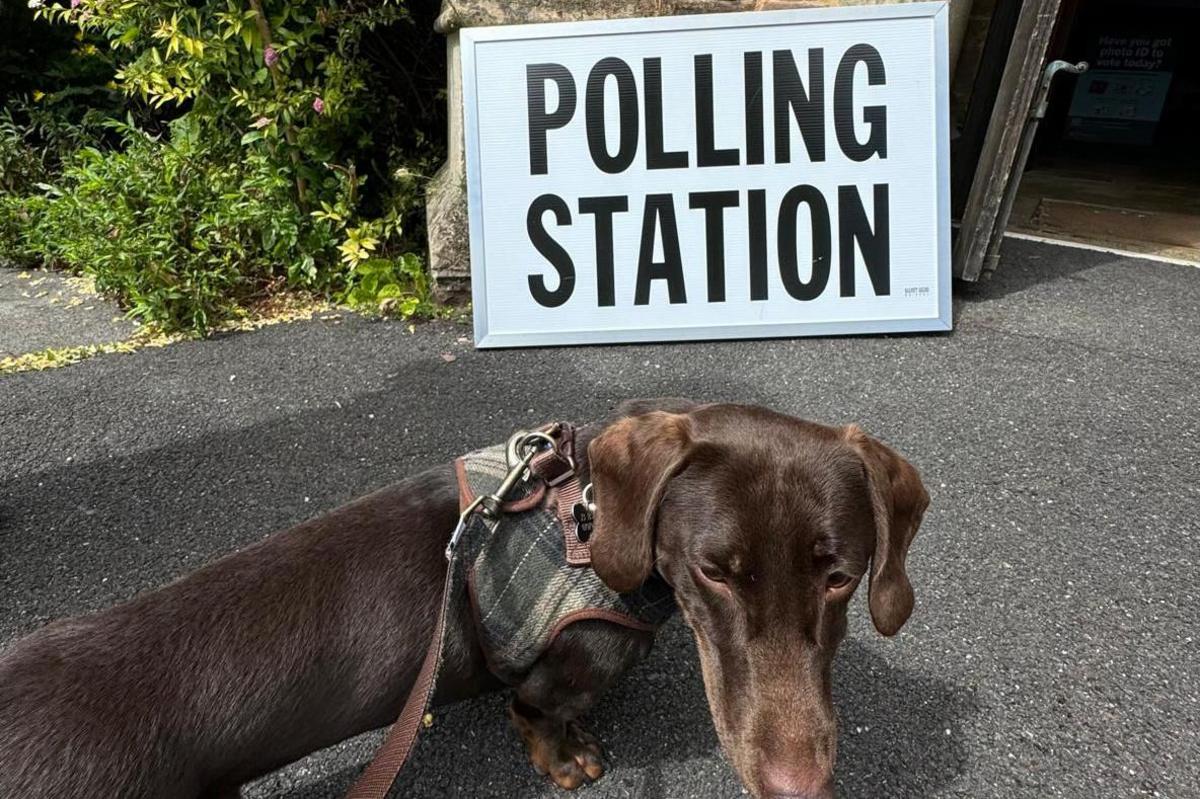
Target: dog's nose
<point x="790" y="782"/>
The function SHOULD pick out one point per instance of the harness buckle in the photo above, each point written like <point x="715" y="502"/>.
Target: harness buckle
<point x="522" y="448"/>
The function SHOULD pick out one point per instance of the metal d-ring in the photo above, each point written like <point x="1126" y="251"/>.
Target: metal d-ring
<point x="587" y="498"/>
<point x="511" y="457"/>
<point x="536" y="435"/>
<point x="521" y="439"/>
<point x="489" y="505"/>
<point x="518" y="468"/>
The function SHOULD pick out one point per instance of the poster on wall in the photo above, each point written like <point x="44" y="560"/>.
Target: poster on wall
<point x="1120" y="99"/>
<point x="742" y="175"/>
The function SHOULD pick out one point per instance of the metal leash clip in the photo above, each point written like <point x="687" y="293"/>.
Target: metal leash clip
<point x="523" y="445"/>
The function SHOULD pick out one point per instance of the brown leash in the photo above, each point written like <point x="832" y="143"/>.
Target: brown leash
<point x="377" y="779"/>
<point x="553" y="465"/>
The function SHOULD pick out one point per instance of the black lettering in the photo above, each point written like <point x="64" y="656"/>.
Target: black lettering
<point x="551" y="250"/>
<point x="758" y="243"/>
<point x="788" y="259"/>
<point x="808" y="106"/>
<point x="656" y="157"/>
<point x="542" y="119"/>
<point x="628" y="113"/>
<point x="714" y="204"/>
<point x="604" y="208"/>
<point x="707" y="153"/>
<point x="843" y="105"/>
<point x="873" y="241"/>
<point x="754" y="107"/>
<point x="660" y="215"/>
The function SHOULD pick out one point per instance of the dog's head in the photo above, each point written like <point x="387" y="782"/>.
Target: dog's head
<point x="764" y="525"/>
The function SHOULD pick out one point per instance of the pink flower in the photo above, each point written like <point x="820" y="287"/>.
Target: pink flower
<point x="75" y="3"/>
<point x="319" y="105"/>
<point x="270" y="56"/>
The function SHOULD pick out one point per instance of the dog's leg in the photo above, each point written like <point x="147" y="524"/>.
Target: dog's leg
<point x="582" y="663"/>
<point x="561" y="749"/>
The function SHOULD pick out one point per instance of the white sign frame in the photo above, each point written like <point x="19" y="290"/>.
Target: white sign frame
<point x="472" y="38"/>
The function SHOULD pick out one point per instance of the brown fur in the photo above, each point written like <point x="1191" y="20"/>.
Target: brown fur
<point x="316" y="633"/>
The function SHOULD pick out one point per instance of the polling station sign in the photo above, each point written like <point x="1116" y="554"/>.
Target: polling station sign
<point x="734" y="175"/>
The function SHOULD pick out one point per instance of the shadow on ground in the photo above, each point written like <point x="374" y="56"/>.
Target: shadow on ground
<point x="1025" y="265"/>
<point x="909" y="746"/>
<point x="893" y="736"/>
<point x="143" y="512"/>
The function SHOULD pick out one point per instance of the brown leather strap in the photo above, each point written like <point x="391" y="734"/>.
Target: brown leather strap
<point x="558" y="463"/>
<point x="377" y="779"/>
<point x="556" y="467"/>
<point x="567" y="495"/>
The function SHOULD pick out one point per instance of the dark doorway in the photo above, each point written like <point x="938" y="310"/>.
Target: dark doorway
<point x="1117" y="159"/>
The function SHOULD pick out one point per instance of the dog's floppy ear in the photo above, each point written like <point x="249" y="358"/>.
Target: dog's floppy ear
<point x="898" y="502"/>
<point x="631" y="462"/>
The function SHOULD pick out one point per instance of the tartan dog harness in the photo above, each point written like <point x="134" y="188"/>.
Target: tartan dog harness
<point x="524" y="588"/>
<point x="519" y="565"/>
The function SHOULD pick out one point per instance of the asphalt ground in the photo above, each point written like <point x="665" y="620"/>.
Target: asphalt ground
<point x="1053" y="651"/>
<point x="41" y="310"/>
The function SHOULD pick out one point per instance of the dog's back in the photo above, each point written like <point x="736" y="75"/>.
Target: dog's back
<point x="68" y="724"/>
<point x="292" y="644"/>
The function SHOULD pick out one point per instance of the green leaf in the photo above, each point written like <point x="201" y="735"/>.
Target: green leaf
<point x="374" y="266"/>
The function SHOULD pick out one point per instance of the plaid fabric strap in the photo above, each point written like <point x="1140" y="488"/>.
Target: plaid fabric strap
<point x="524" y="575"/>
<point x="532" y="577"/>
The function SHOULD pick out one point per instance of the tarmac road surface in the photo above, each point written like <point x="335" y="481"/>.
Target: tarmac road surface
<point x="1053" y="651"/>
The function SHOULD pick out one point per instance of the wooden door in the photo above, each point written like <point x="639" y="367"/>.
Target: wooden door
<point x="985" y="215"/>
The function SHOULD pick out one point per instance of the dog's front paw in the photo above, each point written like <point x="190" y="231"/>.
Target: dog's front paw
<point x="566" y="752"/>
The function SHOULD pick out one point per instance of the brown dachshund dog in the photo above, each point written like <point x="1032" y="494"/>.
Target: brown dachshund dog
<point x="762" y="524"/>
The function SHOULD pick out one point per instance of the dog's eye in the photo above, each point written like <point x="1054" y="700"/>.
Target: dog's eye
<point x="838" y="580"/>
<point x="712" y="574"/>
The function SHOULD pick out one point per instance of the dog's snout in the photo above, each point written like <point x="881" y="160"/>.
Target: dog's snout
<point x="782" y="781"/>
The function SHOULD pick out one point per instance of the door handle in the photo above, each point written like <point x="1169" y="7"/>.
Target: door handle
<point x="1052" y="69"/>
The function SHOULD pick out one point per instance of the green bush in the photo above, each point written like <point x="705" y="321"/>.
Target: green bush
<point x="182" y="235"/>
<point x="21" y="164"/>
<point x="265" y="145"/>
<point x="35" y="141"/>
